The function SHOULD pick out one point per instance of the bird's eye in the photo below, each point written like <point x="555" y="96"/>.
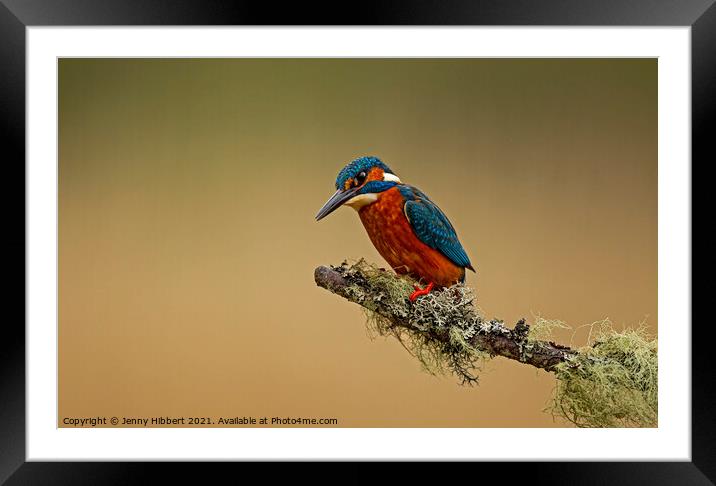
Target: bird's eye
<point x="360" y="178"/>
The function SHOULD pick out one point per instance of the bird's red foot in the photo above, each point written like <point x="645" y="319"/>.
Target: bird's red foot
<point x="418" y="291"/>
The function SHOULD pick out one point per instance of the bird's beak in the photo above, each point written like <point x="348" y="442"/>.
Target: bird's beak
<point x="336" y="201"/>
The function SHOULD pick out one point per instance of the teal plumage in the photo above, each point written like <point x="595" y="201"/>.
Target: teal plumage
<point x="361" y="164"/>
<point x="432" y="227"/>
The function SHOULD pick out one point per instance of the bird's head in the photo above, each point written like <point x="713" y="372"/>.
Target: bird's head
<point x="358" y="184"/>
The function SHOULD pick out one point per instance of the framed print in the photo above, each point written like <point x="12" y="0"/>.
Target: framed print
<point x="460" y="232"/>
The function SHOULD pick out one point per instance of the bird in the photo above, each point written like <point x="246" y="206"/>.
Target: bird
<point x="408" y="229"/>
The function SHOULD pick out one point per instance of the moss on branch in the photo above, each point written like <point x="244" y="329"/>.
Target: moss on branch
<point x="611" y="382"/>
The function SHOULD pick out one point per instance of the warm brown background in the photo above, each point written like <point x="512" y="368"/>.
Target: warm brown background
<point x="187" y="241"/>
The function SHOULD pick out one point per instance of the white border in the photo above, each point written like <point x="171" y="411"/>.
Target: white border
<point x="671" y="441"/>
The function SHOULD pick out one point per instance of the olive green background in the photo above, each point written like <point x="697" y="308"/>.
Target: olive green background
<point x="187" y="240"/>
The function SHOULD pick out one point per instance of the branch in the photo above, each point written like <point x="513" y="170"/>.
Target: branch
<point x="358" y="285"/>
<point x="612" y="382"/>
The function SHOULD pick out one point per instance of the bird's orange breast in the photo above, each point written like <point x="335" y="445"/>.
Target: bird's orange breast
<point x="395" y="240"/>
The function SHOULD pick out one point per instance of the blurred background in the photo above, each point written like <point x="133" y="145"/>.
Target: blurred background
<point x="187" y="240"/>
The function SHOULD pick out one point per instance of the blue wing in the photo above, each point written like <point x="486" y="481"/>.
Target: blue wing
<point x="432" y="227"/>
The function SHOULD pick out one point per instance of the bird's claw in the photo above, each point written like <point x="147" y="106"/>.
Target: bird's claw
<point x="418" y="291"/>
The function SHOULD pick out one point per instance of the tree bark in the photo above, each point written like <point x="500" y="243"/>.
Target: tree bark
<point x="494" y="338"/>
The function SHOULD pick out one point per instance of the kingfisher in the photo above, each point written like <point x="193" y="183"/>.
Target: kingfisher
<point x="409" y="230"/>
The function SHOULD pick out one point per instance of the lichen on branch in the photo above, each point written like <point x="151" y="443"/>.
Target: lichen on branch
<point x="443" y="329"/>
<point x="611" y="382"/>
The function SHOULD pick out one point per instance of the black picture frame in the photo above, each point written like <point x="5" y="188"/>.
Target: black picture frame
<point x="16" y="15"/>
